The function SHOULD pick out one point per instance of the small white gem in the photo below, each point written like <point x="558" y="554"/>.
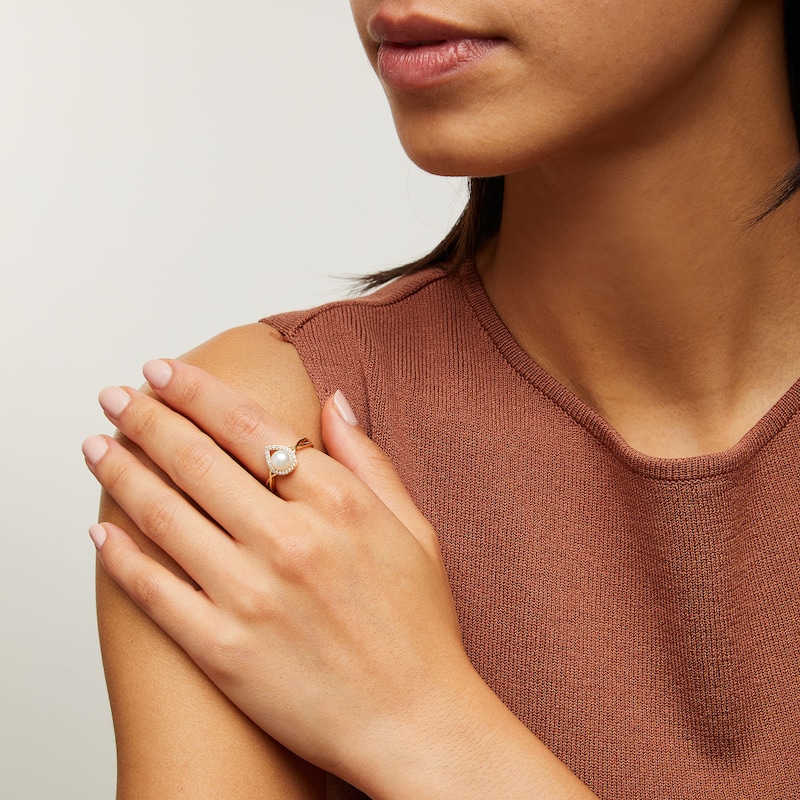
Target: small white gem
<point x="280" y="460"/>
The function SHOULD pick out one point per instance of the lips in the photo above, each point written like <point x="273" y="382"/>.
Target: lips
<point x="417" y="53"/>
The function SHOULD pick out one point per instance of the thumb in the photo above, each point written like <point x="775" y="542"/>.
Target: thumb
<point x="346" y="442"/>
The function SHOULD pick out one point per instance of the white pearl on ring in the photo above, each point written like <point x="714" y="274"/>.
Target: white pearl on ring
<point x="280" y="460"/>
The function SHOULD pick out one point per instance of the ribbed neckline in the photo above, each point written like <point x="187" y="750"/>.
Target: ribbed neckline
<point x="694" y="468"/>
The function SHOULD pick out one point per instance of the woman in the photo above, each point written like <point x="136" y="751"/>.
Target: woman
<point x="590" y="393"/>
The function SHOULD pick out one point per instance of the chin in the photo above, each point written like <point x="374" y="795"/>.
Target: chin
<point x="473" y="157"/>
<point x="457" y="150"/>
<point x="449" y="163"/>
<point x="451" y="141"/>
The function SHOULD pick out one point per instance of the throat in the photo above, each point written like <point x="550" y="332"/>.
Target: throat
<point x="663" y="430"/>
<point x="682" y="358"/>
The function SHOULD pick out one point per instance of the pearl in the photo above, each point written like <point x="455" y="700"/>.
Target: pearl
<point x="280" y="460"/>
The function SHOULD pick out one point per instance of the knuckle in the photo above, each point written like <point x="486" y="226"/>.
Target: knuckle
<point x="143" y="424"/>
<point x="254" y="604"/>
<point x="117" y="476"/>
<point x="188" y="390"/>
<point x="145" y="589"/>
<point x="158" y="517"/>
<point x="300" y="556"/>
<point x="224" y="652"/>
<point x="193" y="460"/>
<point x="375" y="462"/>
<point x="241" y="422"/>
<point x="342" y="501"/>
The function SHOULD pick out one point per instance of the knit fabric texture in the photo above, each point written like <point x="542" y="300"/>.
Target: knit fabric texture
<point x="640" y="615"/>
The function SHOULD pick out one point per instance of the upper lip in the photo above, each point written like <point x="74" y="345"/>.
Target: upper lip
<point x="414" y="30"/>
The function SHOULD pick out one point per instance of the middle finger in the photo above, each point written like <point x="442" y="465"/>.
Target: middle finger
<point x="238" y="424"/>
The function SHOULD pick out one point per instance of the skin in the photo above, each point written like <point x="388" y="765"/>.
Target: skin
<point x="630" y="182"/>
<point x="637" y="142"/>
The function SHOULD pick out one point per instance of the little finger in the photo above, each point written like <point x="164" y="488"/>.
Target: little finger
<point x="188" y="616"/>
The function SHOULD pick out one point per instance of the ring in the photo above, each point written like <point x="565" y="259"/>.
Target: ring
<point x="282" y="459"/>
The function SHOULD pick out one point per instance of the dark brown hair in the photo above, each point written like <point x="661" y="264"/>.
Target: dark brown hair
<point x="480" y="219"/>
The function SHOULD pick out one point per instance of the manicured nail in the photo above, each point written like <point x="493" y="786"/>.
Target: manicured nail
<point x="94" y="448"/>
<point x="114" y="400"/>
<point x="344" y="408"/>
<point x="157" y="373"/>
<point x="98" y="534"/>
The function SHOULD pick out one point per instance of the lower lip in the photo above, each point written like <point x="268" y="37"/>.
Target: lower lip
<point x="422" y="66"/>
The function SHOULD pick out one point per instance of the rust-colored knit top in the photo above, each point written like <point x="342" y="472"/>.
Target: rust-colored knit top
<point x="640" y="615"/>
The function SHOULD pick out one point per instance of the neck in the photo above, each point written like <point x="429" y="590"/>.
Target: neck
<point x="629" y="269"/>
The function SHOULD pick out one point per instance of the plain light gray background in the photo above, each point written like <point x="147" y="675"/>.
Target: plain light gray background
<point x="168" y="169"/>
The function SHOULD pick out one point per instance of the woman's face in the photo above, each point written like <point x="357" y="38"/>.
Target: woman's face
<point x="487" y="87"/>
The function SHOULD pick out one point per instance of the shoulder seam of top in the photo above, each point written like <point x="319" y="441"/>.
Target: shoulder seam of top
<point x="366" y="300"/>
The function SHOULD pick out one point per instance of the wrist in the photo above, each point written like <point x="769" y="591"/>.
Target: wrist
<point x="458" y="740"/>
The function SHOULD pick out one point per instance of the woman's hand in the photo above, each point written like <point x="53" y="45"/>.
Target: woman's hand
<point x="324" y="615"/>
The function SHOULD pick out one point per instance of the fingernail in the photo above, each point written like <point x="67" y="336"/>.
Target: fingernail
<point x="114" y="400"/>
<point x="344" y="408"/>
<point x="94" y="448"/>
<point x="157" y="373"/>
<point x="97" y="533"/>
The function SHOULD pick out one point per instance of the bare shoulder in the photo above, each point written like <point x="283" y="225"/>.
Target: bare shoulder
<point x="256" y="360"/>
<point x="177" y="735"/>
